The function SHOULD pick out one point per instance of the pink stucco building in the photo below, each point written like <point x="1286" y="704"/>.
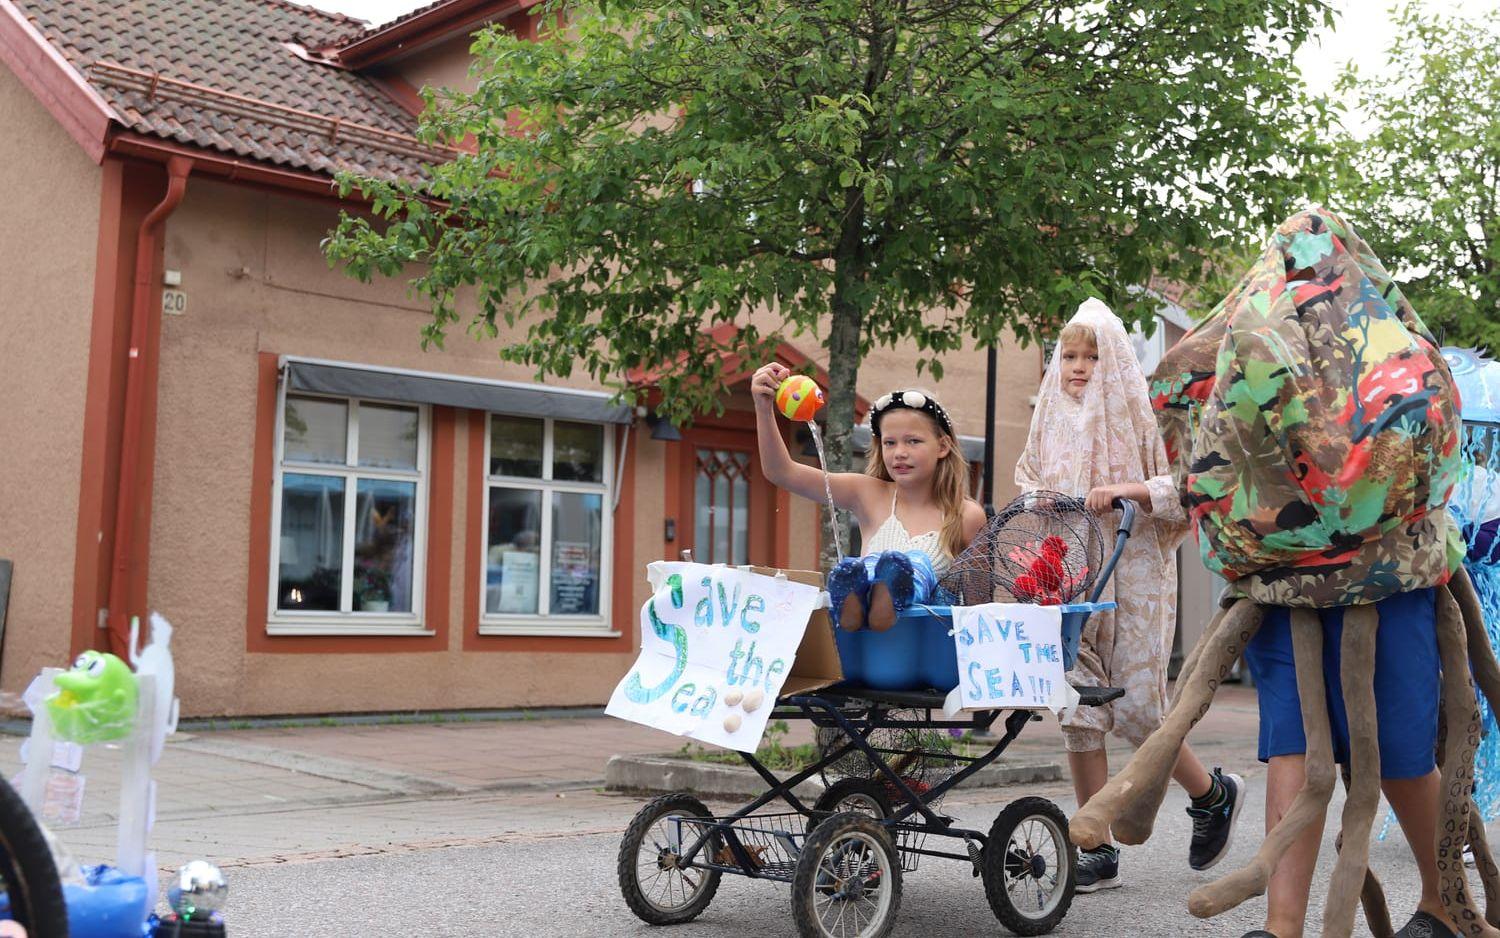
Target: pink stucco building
<point x="203" y="419"/>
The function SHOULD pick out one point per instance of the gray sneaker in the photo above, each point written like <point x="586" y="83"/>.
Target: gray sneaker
<point x="1098" y="869"/>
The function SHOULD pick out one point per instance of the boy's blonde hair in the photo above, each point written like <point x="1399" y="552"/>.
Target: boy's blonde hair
<point x="1080" y="333"/>
<point x="950" y="483"/>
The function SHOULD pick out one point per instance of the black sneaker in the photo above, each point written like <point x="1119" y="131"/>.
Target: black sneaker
<point x="1098" y="869"/>
<point x="1213" y="828"/>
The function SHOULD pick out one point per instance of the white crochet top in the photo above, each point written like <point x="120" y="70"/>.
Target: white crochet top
<point x="893" y="536"/>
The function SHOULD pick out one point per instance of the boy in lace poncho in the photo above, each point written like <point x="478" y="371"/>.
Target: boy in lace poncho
<point x="1094" y="435"/>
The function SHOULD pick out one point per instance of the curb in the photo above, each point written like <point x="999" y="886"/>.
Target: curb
<point x="668" y="774"/>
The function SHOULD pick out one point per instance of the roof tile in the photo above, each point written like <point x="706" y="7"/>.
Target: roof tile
<point x="235" y="47"/>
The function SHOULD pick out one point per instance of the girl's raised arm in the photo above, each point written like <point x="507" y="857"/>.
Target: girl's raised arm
<point x="850" y="489"/>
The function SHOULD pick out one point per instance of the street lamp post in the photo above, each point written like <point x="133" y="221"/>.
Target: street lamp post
<point x="987" y="486"/>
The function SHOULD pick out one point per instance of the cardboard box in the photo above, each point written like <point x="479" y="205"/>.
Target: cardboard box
<point x="817" y="663"/>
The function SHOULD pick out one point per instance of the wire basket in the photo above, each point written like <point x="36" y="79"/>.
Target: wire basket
<point x="771" y="843"/>
<point x="1043" y="548"/>
<point x="922" y="757"/>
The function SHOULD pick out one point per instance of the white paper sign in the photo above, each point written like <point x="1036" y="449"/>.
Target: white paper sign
<point x="1009" y="658"/>
<point x="707" y="633"/>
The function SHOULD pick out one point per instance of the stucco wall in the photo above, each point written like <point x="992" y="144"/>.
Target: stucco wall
<point x="51" y="193"/>
<point x="444" y="65"/>
<point x="256" y="282"/>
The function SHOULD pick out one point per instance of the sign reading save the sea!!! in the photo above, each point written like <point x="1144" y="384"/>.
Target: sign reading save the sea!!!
<point x="1009" y="657"/>
<point x="716" y="646"/>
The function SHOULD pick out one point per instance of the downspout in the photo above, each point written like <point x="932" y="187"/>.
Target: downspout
<point x="144" y="314"/>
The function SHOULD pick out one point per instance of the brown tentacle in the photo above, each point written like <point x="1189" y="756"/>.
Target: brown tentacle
<point x="1317" y="787"/>
<point x="1357" y="674"/>
<point x="1484" y="861"/>
<point x="1142" y="783"/>
<point x="1486" y="672"/>
<point x="1457" y="773"/>
<point x="1206" y="640"/>
<point x="1377" y="909"/>
<point x="1481" y="655"/>
<point x="1371" y="894"/>
<point x="1136" y="811"/>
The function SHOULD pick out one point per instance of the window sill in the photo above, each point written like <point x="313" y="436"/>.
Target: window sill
<point x="347" y="627"/>
<point x="540" y="630"/>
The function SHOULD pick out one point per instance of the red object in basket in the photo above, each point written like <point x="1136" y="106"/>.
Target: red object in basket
<point x="1046" y="581"/>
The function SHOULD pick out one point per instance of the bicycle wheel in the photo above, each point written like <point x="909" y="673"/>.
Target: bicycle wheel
<point x="1029" y="866"/>
<point x="659" y="889"/>
<point x="36" y="898"/>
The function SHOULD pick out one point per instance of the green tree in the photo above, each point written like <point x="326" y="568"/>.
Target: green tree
<point x="939" y="171"/>
<point x="1424" y="187"/>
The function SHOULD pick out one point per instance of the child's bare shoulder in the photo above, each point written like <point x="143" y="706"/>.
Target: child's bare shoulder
<point x="974" y="518"/>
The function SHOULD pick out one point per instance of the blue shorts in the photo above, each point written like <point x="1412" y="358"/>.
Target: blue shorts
<point x="1406" y="684"/>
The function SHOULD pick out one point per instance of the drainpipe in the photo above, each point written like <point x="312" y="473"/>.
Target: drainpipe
<point x="145" y="318"/>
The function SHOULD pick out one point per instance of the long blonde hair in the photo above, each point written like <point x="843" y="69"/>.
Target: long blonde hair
<point x="950" y="481"/>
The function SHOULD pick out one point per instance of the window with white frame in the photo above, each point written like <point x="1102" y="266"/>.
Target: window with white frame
<point x="548" y="505"/>
<point x="349" y="515"/>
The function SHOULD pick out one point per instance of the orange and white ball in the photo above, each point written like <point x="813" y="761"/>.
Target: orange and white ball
<point x="799" y="397"/>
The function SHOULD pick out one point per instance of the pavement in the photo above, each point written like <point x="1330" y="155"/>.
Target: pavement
<point x="482" y="827"/>
<point x="264" y="795"/>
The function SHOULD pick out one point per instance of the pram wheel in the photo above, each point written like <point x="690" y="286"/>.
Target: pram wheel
<point x="659" y="888"/>
<point x="857" y="795"/>
<point x="847" y="882"/>
<point x="1029" y="866"/>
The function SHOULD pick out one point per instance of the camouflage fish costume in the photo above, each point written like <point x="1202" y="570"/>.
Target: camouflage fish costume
<point x="1313" y="429"/>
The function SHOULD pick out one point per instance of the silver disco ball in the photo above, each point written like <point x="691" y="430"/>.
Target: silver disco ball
<point x="199" y="887"/>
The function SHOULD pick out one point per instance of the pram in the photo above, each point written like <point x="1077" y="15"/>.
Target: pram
<point x="845" y="854"/>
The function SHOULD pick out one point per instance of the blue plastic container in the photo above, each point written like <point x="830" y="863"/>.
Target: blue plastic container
<point x="109" y="905"/>
<point x="917" y="652"/>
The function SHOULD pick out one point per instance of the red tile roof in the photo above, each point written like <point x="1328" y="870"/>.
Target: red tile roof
<point x="235" y="76"/>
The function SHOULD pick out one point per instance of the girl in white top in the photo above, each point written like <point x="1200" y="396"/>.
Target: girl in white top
<point x="915" y="481"/>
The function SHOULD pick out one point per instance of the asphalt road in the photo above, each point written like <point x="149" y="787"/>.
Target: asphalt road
<point x="542" y="865"/>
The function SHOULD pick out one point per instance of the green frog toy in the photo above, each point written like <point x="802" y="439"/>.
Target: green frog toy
<point x="94" y="701"/>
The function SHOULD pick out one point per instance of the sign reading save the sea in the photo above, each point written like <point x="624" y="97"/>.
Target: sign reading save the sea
<point x="1009" y="657"/>
<point x="716" y="646"/>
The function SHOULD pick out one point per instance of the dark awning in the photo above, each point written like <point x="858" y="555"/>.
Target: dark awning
<point x="505" y="397"/>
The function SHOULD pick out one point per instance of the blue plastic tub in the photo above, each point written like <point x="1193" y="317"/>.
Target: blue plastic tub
<point x="917" y="652"/>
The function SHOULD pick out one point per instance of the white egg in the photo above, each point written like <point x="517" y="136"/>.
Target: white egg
<point x="753" y="699"/>
<point x="732" y="698"/>
<point x="732" y="723"/>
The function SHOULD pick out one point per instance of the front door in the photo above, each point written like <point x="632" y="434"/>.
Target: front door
<point x="727" y="501"/>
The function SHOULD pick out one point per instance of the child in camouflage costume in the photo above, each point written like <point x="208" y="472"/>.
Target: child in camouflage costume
<point x="1312" y="426"/>
<point x="1318" y="476"/>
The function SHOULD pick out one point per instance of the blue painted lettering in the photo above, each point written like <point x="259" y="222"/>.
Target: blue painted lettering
<point x="772" y="670"/>
<point x="635" y="690"/>
<point x="755" y="603"/>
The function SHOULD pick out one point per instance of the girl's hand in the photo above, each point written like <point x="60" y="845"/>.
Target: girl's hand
<point x="1102" y="498"/>
<point x="766" y="380"/>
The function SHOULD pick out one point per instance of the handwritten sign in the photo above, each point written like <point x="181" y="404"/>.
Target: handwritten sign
<point x="711" y="635"/>
<point x="1009" y="658"/>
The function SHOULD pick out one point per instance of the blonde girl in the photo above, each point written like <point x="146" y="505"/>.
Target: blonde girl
<point x="915" y="480"/>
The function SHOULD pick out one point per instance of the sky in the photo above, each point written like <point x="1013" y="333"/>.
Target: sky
<point x="1363" y="31"/>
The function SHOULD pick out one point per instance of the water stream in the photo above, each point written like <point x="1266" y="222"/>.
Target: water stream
<point x="833" y="512"/>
